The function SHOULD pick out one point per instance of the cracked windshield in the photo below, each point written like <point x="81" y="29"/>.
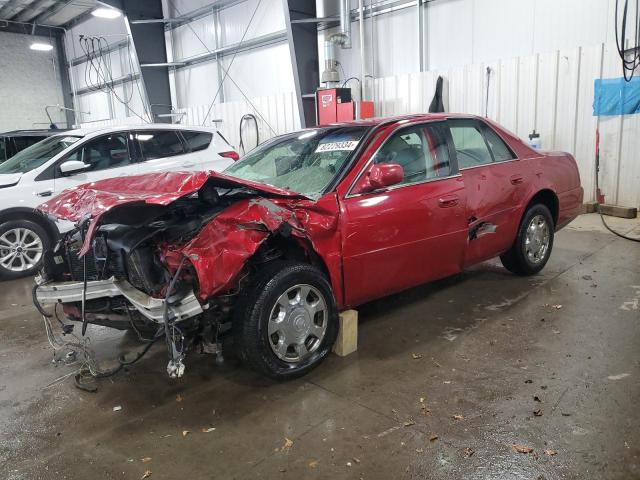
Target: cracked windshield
<point x="304" y="162"/>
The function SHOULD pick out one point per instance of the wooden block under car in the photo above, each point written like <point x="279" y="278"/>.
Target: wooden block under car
<point x="616" y="211"/>
<point x="347" y="341"/>
<point x="589" y="207"/>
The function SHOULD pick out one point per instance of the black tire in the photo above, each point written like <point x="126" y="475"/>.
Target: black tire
<point x="516" y="259"/>
<point x="35" y="229"/>
<point x="254" y="307"/>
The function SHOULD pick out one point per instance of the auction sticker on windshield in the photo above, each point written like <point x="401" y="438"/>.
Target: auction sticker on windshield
<point x="337" y="146"/>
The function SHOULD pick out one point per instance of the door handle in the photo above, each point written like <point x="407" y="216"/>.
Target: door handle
<point x="516" y="179"/>
<point x="448" y="201"/>
<point x="188" y="164"/>
<point x="45" y="193"/>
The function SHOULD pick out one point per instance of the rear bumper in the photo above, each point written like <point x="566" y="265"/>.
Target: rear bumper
<point x="570" y="206"/>
<point x="150" y="307"/>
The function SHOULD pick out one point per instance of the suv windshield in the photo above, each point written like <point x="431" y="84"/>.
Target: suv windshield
<point x="304" y="162"/>
<point x="37" y="154"/>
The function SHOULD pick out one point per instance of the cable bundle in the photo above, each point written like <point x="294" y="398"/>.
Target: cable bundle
<point x="628" y="66"/>
<point x="98" y="73"/>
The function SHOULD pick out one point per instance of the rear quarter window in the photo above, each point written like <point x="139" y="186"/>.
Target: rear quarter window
<point x="197" y="141"/>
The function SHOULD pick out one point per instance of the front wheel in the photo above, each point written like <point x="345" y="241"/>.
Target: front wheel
<point x="286" y="321"/>
<point x="22" y="246"/>
<point x="532" y="248"/>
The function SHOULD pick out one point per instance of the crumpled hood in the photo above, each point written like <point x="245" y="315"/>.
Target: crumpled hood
<point x="92" y="200"/>
<point x="9" y="179"/>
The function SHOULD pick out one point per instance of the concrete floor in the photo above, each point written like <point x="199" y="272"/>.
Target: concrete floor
<point x="462" y="359"/>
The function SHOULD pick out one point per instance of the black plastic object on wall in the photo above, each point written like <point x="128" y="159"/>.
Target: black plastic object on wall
<point x="436" y="104"/>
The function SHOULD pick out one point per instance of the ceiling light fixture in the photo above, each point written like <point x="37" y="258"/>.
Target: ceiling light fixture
<point x="41" y="47"/>
<point x="109" y="13"/>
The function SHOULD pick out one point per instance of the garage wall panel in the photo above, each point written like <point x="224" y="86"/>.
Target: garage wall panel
<point x="24" y="70"/>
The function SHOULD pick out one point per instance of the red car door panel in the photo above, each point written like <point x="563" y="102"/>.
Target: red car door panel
<point x="495" y="181"/>
<point x="410" y="233"/>
<point x="401" y="238"/>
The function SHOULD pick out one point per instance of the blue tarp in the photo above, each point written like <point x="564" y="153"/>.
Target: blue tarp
<point x="615" y="96"/>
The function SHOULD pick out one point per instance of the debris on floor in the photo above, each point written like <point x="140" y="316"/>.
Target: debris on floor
<point x="117" y="408"/>
<point x="521" y="448"/>
<point x="288" y="443"/>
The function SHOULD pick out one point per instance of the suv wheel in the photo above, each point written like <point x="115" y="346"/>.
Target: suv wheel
<point x="22" y="246"/>
<point x="286" y="320"/>
<point x="532" y="248"/>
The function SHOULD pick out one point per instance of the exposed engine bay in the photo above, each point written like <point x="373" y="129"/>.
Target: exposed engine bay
<point x="169" y="270"/>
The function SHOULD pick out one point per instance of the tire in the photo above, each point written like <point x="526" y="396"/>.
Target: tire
<point x="283" y="342"/>
<point x="28" y="251"/>
<point x="522" y="258"/>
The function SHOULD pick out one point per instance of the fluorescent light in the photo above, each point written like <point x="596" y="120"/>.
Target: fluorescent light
<point x="109" y="13"/>
<point x="41" y="47"/>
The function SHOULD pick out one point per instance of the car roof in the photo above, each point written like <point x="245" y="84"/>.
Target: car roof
<point x="32" y="133"/>
<point x="372" y="122"/>
<point x="145" y="126"/>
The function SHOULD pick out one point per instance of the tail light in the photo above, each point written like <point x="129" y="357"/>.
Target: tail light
<point x="230" y="154"/>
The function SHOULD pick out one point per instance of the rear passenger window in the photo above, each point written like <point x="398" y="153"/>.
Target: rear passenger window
<point x="159" y="143"/>
<point x="197" y="141"/>
<point x="501" y="151"/>
<point x="471" y="148"/>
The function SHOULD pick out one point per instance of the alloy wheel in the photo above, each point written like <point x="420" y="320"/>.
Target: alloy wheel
<point x="537" y="238"/>
<point x="20" y="249"/>
<point x="298" y="323"/>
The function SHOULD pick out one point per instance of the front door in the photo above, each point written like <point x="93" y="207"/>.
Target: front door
<point x="494" y="181"/>
<point x="107" y="156"/>
<point x="409" y="233"/>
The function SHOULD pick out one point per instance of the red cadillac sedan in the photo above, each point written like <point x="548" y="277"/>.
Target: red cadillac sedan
<point x="304" y="226"/>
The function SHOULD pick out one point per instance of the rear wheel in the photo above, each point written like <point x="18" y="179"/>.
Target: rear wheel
<point x="286" y="322"/>
<point x="22" y="246"/>
<point x="532" y="248"/>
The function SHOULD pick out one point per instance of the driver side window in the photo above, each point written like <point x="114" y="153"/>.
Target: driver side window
<point x="421" y="151"/>
<point x="105" y="152"/>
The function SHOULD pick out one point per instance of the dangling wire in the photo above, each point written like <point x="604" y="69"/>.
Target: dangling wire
<point x="628" y="65"/>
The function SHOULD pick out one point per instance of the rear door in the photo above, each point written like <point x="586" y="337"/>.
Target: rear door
<point x="494" y="181"/>
<point x="410" y="233"/>
<point x="162" y="151"/>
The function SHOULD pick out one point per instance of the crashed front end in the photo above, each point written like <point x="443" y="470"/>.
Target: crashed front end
<point x="165" y="256"/>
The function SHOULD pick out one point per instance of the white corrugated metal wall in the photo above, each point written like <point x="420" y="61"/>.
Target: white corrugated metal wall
<point x="544" y="56"/>
<point x="551" y="92"/>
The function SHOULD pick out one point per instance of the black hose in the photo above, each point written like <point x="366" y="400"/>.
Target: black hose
<point x="621" y="235"/>
<point x="34" y="297"/>
<point x="248" y="116"/>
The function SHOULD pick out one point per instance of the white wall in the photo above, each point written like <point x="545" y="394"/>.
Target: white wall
<point x="460" y="32"/>
<point x="126" y="102"/>
<point x="257" y="72"/>
<point x="29" y="80"/>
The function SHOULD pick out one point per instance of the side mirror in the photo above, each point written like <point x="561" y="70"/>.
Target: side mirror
<point x="72" y="166"/>
<point x="380" y="175"/>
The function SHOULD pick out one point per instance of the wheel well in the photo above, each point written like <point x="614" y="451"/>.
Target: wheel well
<point x="31" y="216"/>
<point x="549" y="199"/>
<point x="289" y="248"/>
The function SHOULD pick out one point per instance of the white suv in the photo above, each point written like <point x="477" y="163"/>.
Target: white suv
<point x="80" y="156"/>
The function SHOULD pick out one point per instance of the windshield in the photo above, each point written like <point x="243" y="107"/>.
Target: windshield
<point x="37" y="154"/>
<point x="304" y="162"/>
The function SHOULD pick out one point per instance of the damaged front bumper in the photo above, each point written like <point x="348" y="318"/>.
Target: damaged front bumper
<point x="152" y="308"/>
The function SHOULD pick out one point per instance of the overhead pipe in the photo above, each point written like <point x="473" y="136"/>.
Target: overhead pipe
<point x="344" y="37"/>
<point x="362" y="57"/>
